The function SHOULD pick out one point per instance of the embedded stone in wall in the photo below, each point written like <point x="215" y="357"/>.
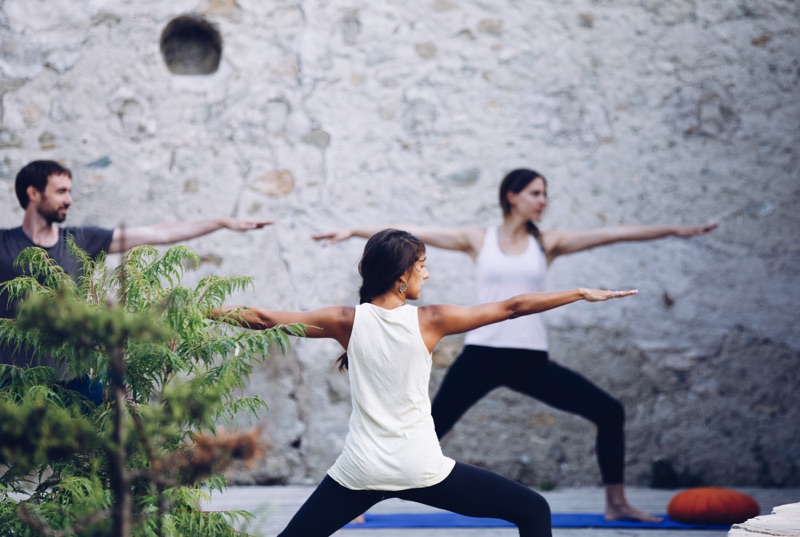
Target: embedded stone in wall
<point x="31" y="115"/>
<point x="221" y="7"/>
<point x="760" y="209"/>
<point x="491" y="26"/>
<point x="285" y="17"/>
<point x="425" y="50"/>
<point x="102" y="162"/>
<point x="671" y="12"/>
<point x="419" y="116"/>
<point x="443" y="5"/>
<point x="18" y="58"/>
<point x="134" y="117"/>
<point x="47" y="141"/>
<point x="317" y="138"/>
<point x="274" y="183"/>
<point x="703" y="110"/>
<point x="586" y="20"/>
<point x="278" y="111"/>
<point x="9" y="139"/>
<point x="5" y="169"/>
<point x="190" y="45"/>
<point x="351" y="27"/>
<point x="190" y="186"/>
<point x="462" y="177"/>
<point x="211" y="259"/>
<point x="63" y="59"/>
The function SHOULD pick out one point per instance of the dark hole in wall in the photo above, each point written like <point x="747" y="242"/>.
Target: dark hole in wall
<point x="190" y="45"/>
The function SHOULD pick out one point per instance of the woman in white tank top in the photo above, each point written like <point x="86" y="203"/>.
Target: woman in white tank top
<point x="512" y="259"/>
<point x="391" y="449"/>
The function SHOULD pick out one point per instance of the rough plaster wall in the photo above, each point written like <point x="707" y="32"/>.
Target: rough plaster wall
<point x="327" y="114"/>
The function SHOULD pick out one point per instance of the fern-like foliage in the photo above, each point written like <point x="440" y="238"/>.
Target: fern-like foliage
<point x="183" y="376"/>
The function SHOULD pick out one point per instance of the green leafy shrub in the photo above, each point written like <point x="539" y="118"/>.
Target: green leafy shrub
<point x="139" y="463"/>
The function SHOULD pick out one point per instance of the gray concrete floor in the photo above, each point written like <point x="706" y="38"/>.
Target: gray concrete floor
<point x="274" y="506"/>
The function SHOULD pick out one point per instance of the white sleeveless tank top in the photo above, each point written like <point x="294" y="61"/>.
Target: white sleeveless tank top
<point x="391" y="444"/>
<point x="500" y="276"/>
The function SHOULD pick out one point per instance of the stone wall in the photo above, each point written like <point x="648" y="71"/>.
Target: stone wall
<point x="330" y="113"/>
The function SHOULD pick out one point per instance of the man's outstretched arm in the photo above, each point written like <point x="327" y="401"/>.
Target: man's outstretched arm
<point x="125" y="238"/>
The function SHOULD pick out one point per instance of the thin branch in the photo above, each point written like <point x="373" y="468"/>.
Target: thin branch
<point x="29" y="517"/>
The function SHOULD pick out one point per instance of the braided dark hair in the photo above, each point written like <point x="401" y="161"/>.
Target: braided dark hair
<point x="388" y="254"/>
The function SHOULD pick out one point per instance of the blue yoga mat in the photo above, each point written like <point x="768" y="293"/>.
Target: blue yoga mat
<point x="560" y="520"/>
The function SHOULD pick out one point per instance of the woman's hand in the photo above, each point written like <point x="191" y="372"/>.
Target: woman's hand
<point x="600" y="295"/>
<point x="242" y="224"/>
<point x="693" y="231"/>
<point x="332" y="237"/>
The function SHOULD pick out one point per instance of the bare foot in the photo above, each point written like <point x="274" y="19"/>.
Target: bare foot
<point x="628" y="512"/>
<point x="358" y="520"/>
<point x="618" y="508"/>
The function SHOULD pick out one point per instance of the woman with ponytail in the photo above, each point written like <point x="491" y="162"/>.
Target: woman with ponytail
<point x="391" y="449"/>
<point x="512" y="259"/>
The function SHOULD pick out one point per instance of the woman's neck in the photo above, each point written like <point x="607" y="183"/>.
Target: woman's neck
<point x="514" y="227"/>
<point x="389" y="300"/>
<point x="513" y="235"/>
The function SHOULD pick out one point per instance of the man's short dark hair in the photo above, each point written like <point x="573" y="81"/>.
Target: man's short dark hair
<point x="35" y="174"/>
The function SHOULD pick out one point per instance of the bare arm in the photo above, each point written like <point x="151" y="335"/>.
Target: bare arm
<point x="568" y="242"/>
<point x="442" y="320"/>
<point x="172" y="232"/>
<point x="334" y="322"/>
<point x="461" y="239"/>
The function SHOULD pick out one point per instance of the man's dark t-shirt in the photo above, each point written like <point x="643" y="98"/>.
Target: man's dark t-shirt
<point x="90" y="239"/>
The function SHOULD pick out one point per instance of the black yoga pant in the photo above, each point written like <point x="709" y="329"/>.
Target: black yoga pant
<point x="479" y="370"/>
<point x="468" y="490"/>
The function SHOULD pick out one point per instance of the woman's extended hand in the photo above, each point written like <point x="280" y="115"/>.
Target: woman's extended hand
<point x="600" y="295"/>
<point x="243" y="224"/>
<point x="332" y="237"/>
<point x="693" y="231"/>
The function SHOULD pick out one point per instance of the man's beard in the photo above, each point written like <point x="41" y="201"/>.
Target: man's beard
<point x="52" y="216"/>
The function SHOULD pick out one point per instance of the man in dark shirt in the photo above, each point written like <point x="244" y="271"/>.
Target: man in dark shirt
<point x="44" y="190"/>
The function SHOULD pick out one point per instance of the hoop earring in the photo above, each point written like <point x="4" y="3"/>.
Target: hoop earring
<point x="402" y="288"/>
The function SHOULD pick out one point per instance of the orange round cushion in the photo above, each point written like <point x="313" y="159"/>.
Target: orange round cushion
<point x="712" y="505"/>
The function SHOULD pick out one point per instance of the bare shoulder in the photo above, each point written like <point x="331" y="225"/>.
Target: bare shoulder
<point x="343" y="315"/>
<point x="475" y="234"/>
<point x="434" y="321"/>
<point x="437" y="314"/>
<point x="475" y="237"/>
<point x="333" y="322"/>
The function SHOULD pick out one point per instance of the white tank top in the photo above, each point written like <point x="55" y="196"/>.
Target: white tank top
<point x="391" y="444"/>
<point x="500" y="276"/>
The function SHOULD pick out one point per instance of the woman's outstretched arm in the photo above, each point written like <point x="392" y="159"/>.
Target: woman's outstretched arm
<point x="460" y="239"/>
<point x="335" y="322"/>
<point x="558" y="243"/>
<point x="442" y="320"/>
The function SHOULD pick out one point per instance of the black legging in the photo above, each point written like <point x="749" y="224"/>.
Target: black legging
<point x="478" y="370"/>
<point x="468" y="490"/>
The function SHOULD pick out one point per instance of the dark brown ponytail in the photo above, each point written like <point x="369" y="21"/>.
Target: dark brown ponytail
<point x="388" y="254"/>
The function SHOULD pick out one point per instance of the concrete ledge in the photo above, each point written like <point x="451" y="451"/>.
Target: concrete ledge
<point x="783" y="522"/>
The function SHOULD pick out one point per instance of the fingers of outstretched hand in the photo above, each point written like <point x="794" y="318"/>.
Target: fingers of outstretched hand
<point x="599" y="295"/>
<point x="330" y="237"/>
<point x="237" y="224"/>
<point x="620" y="294"/>
<point x="697" y="230"/>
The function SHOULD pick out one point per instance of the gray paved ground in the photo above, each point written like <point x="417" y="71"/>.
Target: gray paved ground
<point x="274" y="506"/>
